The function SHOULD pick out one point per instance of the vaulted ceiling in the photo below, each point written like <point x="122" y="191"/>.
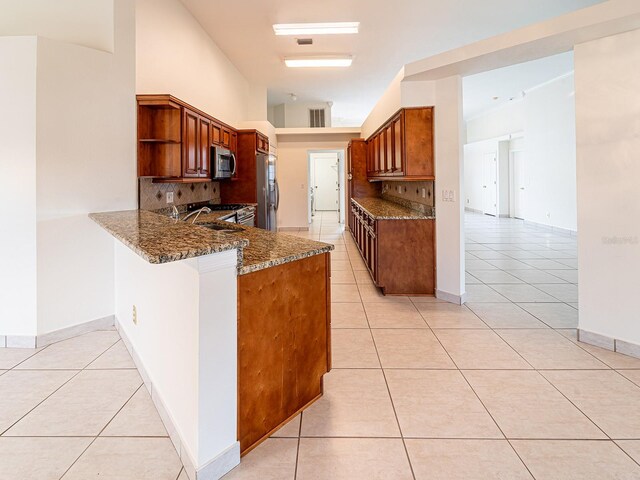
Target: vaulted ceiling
<point x="392" y="33"/>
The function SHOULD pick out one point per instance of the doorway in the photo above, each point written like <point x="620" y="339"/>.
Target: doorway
<point x="490" y="184"/>
<point x="517" y="184"/>
<point x="326" y="180"/>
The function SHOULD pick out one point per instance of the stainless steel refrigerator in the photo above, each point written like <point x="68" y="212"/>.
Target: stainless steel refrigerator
<point x="268" y="191"/>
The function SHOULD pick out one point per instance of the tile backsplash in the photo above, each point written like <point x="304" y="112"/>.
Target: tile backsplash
<point x="410" y="194"/>
<point x="153" y="196"/>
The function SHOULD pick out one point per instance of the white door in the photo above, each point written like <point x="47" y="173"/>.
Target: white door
<point x="490" y="184"/>
<point x="518" y="184"/>
<point x="326" y="194"/>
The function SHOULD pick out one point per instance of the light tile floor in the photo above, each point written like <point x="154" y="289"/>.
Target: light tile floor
<point x="420" y="389"/>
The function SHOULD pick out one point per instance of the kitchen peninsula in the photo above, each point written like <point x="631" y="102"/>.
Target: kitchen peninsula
<point x="215" y="308"/>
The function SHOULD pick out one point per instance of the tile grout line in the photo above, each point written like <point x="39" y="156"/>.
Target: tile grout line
<point x="102" y="430"/>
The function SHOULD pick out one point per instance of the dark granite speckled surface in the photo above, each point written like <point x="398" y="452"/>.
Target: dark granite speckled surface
<point x="381" y="209"/>
<point x="159" y="239"/>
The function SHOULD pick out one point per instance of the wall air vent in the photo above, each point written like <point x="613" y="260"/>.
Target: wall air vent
<point x="316" y="118"/>
<point x="305" y="41"/>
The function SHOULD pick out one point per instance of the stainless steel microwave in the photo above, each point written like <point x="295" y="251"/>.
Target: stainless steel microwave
<point x="224" y="163"/>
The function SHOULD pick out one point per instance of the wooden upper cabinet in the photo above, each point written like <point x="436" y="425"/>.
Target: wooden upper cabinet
<point x="175" y="139"/>
<point x="403" y="146"/>
<point x="397" y="146"/>
<point x="190" y="145"/>
<point x="388" y="134"/>
<point x="216" y="134"/>
<point x="226" y="137"/>
<point x="262" y="142"/>
<point x="196" y="145"/>
<point x="204" y="163"/>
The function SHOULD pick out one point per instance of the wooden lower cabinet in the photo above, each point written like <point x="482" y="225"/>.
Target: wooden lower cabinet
<point x="399" y="254"/>
<point x="284" y="327"/>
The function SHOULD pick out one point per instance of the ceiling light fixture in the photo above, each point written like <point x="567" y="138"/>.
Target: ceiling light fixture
<point x="335" y="28"/>
<point x="336" y="61"/>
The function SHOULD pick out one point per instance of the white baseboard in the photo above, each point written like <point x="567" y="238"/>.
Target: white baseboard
<point x="472" y="210"/>
<point x="75" y="330"/>
<point x="613" y="344"/>
<point x="21" y="341"/>
<point x="215" y="468"/>
<point x="33" y="341"/>
<point x="451" y="297"/>
<point x="293" y="229"/>
<point x="550" y="228"/>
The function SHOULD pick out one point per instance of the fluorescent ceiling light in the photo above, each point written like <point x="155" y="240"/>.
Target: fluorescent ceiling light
<point x="318" y="61"/>
<point x="316" y="28"/>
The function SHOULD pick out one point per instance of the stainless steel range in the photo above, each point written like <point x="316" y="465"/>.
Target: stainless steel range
<point x="243" y="214"/>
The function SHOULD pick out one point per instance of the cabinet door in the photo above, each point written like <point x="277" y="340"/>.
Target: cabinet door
<point x="190" y="142"/>
<point x="204" y="164"/>
<point x="398" y="150"/>
<point x="376" y="154"/>
<point x="389" y="150"/>
<point x="381" y="153"/>
<point x="216" y="134"/>
<point x="226" y="137"/>
<point x="234" y="143"/>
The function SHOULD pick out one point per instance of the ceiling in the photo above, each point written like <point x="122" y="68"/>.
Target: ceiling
<point x="509" y="82"/>
<point x="391" y="35"/>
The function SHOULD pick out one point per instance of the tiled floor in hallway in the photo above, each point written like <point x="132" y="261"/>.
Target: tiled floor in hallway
<point x="420" y="389"/>
<point x="496" y="389"/>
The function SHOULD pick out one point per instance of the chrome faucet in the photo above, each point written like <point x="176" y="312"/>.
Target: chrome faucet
<point x="175" y="213"/>
<point x="197" y="214"/>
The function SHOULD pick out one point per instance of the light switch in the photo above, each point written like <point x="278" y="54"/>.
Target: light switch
<point x="169" y="197"/>
<point x="452" y="195"/>
<point x="424" y="193"/>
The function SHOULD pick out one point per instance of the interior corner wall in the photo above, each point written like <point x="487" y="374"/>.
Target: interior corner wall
<point x="175" y="55"/>
<point x="387" y="105"/>
<point x="85" y="137"/>
<point x="18" y="311"/>
<point x="608" y="142"/>
<point x="82" y="22"/>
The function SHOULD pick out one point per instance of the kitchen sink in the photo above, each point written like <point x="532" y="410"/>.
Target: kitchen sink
<point x="220" y="228"/>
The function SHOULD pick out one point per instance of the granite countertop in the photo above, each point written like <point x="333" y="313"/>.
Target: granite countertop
<point x="382" y="209"/>
<point x="160" y="239"/>
<point x="268" y="249"/>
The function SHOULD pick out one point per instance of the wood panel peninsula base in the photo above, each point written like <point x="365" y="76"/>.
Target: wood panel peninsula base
<point x="284" y="344"/>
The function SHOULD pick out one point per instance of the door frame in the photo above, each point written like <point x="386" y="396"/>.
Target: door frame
<point x="341" y="181"/>
<point x="512" y="183"/>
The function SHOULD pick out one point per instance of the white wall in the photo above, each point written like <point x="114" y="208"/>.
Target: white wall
<point x="82" y="22"/>
<point x="296" y="114"/>
<point x="389" y="103"/>
<point x="550" y="154"/>
<point x="18" y="195"/>
<point x="175" y="55"/>
<point x="186" y="340"/>
<point x="608" y="142"/>
<point x="84" y="138"/>
<point x="449" y="173"/>
<point x="85" y="163"/>
<point x="546" y="116"/>
<point x="293" y="151"/>
<point x="474" y="154"/>
<point x="496" y="123"/>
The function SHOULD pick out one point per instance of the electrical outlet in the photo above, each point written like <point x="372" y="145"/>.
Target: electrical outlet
<point x="399" y="189"/>
<point x="169" y="197"/>
<point x="134" y="315"/>
<point x="424" y="193"/>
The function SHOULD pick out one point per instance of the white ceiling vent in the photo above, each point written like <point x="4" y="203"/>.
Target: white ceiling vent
<point x="316" y="118"/>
